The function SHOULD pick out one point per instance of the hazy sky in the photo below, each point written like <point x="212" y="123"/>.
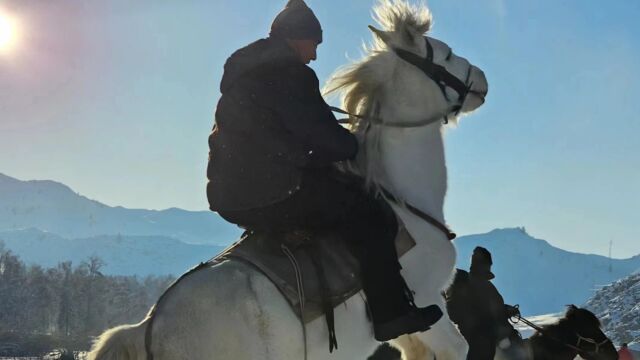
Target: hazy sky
<point x="115" y="99"/>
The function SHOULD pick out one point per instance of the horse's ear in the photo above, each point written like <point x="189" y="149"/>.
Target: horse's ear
<point x="382" y="35"/>
<point x="571" y="309"/>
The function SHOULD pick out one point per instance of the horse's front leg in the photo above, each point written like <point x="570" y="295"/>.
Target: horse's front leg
<point x="442" y="342"/>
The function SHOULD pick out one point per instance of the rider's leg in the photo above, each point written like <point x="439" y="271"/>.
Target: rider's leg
<point x="325" y="202"/>
<point x="481" y="347"/>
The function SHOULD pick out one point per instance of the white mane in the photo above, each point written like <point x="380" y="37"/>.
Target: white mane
<point x="398" y="16"/>
<point x="361" y="81"/>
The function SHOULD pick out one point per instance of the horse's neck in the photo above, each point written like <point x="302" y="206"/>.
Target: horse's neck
<point x="413" y="165"/>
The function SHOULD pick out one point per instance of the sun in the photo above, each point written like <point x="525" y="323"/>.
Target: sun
<point x="8" y="33"/>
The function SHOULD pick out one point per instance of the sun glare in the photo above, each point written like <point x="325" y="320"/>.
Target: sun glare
<point x="8" y="33"/>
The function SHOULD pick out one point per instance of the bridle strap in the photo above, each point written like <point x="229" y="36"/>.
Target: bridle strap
<point x="438" y="73"/>
<point x="396" y="124"/>
<point x="591" y="341"/>
<point x="443" y="78"/>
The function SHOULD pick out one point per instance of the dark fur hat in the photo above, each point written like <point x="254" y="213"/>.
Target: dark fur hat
<point x="297" y="21"/>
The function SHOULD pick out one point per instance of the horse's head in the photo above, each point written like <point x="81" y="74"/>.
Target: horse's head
<point x="430" y="78"/>
<point x="588" y="337"/>
<point x="408" y="79"/>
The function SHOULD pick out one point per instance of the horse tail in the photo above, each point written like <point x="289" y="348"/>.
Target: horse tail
<point x="125" y="342"/>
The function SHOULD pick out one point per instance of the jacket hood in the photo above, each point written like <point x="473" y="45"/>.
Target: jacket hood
<point x="261" y="52"/>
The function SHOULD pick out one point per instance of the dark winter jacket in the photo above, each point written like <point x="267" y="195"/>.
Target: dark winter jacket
<point x="272" y="124"/>
<point x="475" y="304"/>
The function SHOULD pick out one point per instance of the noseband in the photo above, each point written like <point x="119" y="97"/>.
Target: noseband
<point x="596" y="345"/>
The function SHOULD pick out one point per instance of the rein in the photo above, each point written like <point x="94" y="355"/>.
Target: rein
<point x="401" y="124"/>
<point x="421" y="214"/>
<point x="414" y="210"/>
<point x="443" y="78"/>
<point x="576" y="347"/>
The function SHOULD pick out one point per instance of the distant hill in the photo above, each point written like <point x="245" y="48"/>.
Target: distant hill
<point x="540" y="277"/>
<point x="618" y="307"/>
<point x="123" y="255"/>
<point x="54" y="207"/>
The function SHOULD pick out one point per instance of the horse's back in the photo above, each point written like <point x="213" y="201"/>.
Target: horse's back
<point x="228" y="310"/>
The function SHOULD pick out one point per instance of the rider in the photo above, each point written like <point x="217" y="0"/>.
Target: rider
<point x="272" y="152"/>
<point x="624" y="353"/>
<point x="475" y="304"/>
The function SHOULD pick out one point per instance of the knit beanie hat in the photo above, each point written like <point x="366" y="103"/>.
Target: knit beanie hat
<point x="481" y="263"/>
<point x="297" y="22"/>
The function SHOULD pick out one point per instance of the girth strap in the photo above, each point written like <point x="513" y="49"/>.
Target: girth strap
<point x="324" y="293"/>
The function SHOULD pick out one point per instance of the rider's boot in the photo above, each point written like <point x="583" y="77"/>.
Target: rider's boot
<point x="389" y="298"/>
<point x="392" y="308"/>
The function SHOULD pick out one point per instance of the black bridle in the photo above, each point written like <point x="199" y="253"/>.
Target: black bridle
<point x="436" y="72"/>
<point x="444" y="79"/>
<point x="439" y="74"/>
<point x="575" y="347"/>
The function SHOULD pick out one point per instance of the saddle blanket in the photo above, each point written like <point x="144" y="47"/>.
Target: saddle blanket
<point x="328" y="273"/>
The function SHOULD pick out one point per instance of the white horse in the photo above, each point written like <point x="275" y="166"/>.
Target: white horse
<point x="232" y="311"/>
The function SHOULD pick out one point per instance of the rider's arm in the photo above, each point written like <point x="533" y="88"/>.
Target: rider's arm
<point x="305" y="115"/>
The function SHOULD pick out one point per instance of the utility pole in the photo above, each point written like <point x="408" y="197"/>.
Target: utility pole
<point x="610" y="261"/>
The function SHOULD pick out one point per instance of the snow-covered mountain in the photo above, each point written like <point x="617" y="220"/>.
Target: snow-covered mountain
<point x="618" y="307"/>
<point x="54" y="207"/>
<point x="540" y="277"/>
<point x="123" y="255"/>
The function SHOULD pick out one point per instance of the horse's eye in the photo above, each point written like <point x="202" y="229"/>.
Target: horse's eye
<point x="449" y="55"/>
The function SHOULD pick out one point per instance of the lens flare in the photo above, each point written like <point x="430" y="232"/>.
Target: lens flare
<point x="8" y="33"/>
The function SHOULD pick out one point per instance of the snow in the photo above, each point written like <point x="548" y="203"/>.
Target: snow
<point x="618" y="307"/>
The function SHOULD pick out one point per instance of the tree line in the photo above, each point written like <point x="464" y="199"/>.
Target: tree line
<point x="70" y="300"/>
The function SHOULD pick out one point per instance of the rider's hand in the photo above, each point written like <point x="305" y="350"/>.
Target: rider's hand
<point x="504" y="344"/>
<point x="512" y="311"/>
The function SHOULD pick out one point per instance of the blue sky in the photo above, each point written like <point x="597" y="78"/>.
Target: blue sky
<point x="115" y="99"/>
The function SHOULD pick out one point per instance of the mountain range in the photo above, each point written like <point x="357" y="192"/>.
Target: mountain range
<point x="45" y="222"/>
<point x="53" y="207"/>
<point x="538" y="276"/>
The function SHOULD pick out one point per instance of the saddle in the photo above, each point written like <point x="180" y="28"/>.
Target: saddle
<point x="314" y="272"/>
